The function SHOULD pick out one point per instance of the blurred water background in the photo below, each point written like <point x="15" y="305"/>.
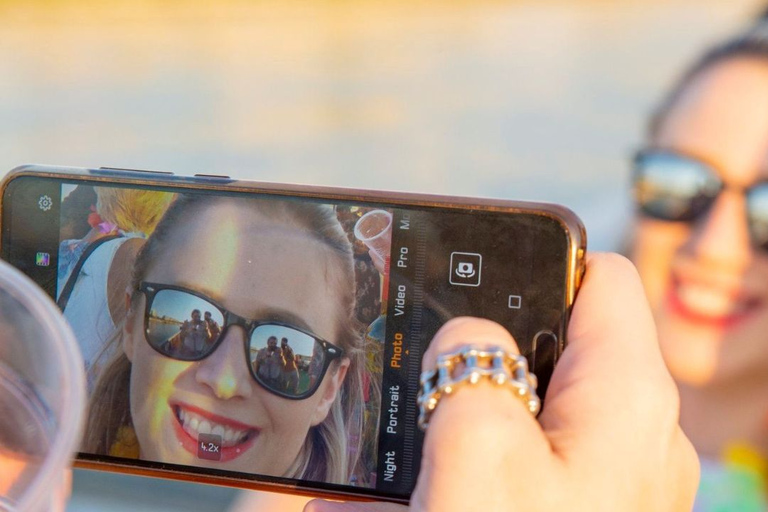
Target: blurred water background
<point x="539" y="100"/>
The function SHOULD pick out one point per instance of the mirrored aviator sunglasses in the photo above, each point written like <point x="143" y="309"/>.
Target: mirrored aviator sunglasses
<point x="186" y="325"/>
<point x="680" y="188"/>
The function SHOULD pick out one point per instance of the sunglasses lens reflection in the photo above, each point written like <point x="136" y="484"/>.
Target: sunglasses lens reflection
<point x="671" y="187"/>
<point x="285" y="360"/>
<point x="757" y="201"/>
<point x="183" y="326"/>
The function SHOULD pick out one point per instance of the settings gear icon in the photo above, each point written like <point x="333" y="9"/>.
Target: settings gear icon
<point x="45" y="203"/>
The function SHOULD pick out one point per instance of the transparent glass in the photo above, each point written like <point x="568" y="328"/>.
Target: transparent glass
<point x="42" y="397"/>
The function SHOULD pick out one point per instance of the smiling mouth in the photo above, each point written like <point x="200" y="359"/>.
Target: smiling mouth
<point x="235" y="437"/>
<point x="195" y="424"/>
<point x="706" y="305"/>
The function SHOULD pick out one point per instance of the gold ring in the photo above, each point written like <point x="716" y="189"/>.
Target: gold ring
<point x="469" y="365"/>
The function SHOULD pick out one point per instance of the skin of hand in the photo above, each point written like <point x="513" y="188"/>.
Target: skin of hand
<point x="607" y="439"/>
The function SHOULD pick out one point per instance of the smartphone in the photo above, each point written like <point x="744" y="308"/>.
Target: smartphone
<point x="270" y="336"/>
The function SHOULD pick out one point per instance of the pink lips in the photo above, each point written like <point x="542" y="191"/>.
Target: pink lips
<point x="724" y="319"/>
<point x="230" y="448"/>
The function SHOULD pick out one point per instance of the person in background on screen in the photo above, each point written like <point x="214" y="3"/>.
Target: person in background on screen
<point x="269" y="361"/>
<point x="111" y="212"/>
<point x="289" y="368"/>
<point x="94" y="271"/>
<point x="701" y="247"/>
<point x="212" y="327"/>
<point x="193" y="332"/>
<point x="74" y="225"/>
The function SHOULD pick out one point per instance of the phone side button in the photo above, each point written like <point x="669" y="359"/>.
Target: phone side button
<point x="220" y="176"/>
<point x="133" y="170"/>
<point x="544" y="355"/>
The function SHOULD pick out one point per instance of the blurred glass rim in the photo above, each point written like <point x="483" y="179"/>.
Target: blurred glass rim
<point x="70" y="421"/>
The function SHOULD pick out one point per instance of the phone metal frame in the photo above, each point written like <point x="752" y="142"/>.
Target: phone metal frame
<point x="571" y="224"/>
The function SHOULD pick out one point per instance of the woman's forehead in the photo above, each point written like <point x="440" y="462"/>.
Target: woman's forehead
<point x="722" y="114"/>
<point x="218" y="242"/>
<point x="218" y="251"/>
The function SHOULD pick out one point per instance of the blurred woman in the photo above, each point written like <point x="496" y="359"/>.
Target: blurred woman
<point x="701" y="248"/>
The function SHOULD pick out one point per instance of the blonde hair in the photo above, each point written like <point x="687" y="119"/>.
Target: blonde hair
<point x="132" y="210"/>
<point x="332" y="448"/>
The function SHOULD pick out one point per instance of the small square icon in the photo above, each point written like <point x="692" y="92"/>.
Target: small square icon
<point x="465" y="268"/>
<point x="515" y="302"/>
<point x="42" y="259"/>
<point x="209" y="446"/>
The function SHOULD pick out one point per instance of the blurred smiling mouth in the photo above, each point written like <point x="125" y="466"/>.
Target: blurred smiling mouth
<point x="232" y="437"/>
<point x="703" y="304"/>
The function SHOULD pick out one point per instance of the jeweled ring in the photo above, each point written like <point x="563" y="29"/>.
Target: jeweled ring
<point x="469" y="365"/>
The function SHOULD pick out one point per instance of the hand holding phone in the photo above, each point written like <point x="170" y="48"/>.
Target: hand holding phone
<point x="609" y="434"/>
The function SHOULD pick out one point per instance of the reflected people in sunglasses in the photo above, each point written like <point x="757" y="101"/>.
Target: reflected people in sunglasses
<point x="267" y="364"/>
<point x="291" y="375"/>
<point x="701" y="248"/>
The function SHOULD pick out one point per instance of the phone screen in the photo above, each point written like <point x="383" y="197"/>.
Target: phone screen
<point x="261" y="336"/>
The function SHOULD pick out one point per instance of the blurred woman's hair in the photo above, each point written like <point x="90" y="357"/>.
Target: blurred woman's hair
<point x="750" y="43"/>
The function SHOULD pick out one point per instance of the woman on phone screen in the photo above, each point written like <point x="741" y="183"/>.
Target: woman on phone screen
<point x="260" y="270"/>
<point x="701" y="247"/>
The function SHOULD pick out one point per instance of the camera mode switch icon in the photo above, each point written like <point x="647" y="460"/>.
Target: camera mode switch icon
<point x="465" y="268"/>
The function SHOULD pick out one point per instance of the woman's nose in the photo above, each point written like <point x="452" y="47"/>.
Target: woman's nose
<point x="225" y="371"/>
<point x="722" y="237"/>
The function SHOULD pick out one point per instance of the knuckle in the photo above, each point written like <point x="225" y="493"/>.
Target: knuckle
<point x="668" y="400"/>
<point x="688" y="471"/>
<point x="693" y="463"/>
<point x="656" y="399"/>
<point x="671" y="395"/>
<point x="613" y="261"/>
<point x="478" y="331"/>
<point x="613" y="267"/>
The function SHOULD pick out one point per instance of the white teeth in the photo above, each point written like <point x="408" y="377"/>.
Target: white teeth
<point x="194" y="425"/>
<point x="706" y="301"/>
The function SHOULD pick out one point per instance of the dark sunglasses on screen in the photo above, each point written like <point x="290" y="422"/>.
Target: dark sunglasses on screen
<point x="677" y="187"/>
<point x="186" y="325"/>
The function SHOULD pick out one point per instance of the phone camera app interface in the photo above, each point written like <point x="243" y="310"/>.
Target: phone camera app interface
<point x="251" y="360"/>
